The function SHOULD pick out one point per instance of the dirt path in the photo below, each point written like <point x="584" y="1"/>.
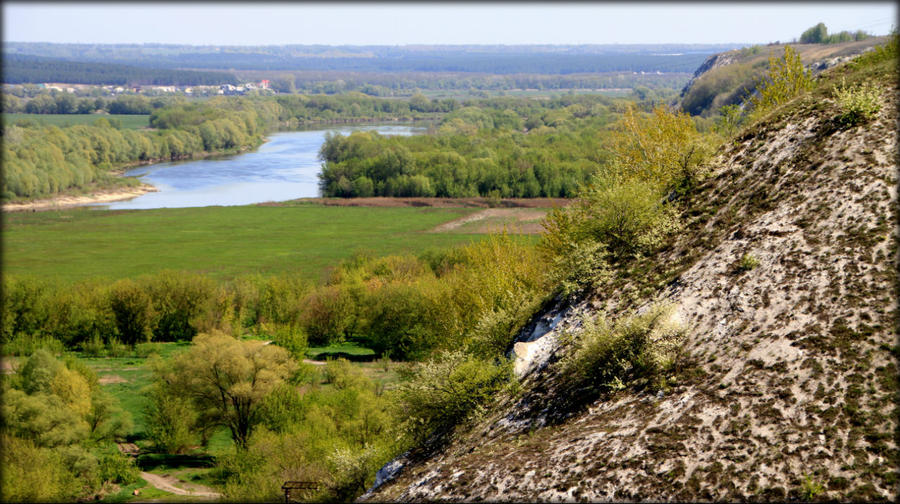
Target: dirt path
<point x="493" y="220"/>
<point x="167" y="484"/>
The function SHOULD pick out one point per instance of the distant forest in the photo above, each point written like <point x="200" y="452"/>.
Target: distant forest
<point x="481" y="59"/>
<point x="20" y="69"/>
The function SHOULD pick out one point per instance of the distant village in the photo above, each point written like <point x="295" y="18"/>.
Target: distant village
<point x="260" y="88"/>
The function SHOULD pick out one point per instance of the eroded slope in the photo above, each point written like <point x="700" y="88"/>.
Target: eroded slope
<point x="789" y="385"/>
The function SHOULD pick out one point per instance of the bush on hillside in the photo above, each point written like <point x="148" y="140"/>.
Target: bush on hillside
<point x="786" y="79"/>
<point x="448" y="389"/>
<point x="858" y="104"/>
<point x="638" y="349"/>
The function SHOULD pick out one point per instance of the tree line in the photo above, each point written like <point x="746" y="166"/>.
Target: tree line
<point x="406" y="83"/>
<point x="818" y="34"/>
<point x="478" y="149"/>
<point x="500" y="147"/>
<point x="68" y="103"/>
<point x="20" y="69"/>
<point x="40" y="162"/>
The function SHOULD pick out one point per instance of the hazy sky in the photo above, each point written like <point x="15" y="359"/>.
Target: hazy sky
<point x="433" y="23"/>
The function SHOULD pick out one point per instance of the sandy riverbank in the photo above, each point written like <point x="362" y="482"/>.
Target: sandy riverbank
<point x="64" y="201"/>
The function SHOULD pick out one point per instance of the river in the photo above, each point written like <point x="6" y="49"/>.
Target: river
<point x="286" y="167"/>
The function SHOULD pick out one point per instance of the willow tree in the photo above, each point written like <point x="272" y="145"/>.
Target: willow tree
<point x="226" y="380"/>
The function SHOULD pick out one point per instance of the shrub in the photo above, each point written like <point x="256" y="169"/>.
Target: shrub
<point x="119" y="468"/>
<point x="179" y="301"/>
<point x="627" y="216"/>
<point x="144" y="350"/>
<point x="858" y="104"/>
<point x="448" y="389"/>
<point x="27" y="344"/>
<point x="94" y="347"/>
<point x="497" y="327"/>
<point x="35" y="474"/>
<point x="115" y="348"/>
<point x="638" y="349"/>
<point x="353" y="471"/>
<point x="170" y="420"/>
<point x="133" y="311"/>
<point x="25" y="307"/>
<point x="786" y="79"/>
<point x="748" y="262"/>
<point x="662" y="148"/>
<point x="811" y="488"/>
<point x="291" y="338"/>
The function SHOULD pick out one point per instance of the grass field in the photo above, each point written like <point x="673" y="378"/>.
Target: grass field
<point x="223" y="242"/>
<point x="127" y="121"/>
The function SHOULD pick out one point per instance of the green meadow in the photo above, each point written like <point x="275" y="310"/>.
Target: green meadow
<point x="222" y="242"/>
<point x="61" y="120"/>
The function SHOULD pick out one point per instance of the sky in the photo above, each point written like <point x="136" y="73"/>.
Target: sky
<point x="381" y="23"/>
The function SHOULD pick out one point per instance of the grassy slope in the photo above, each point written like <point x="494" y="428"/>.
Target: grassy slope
<point x="723" y="85"/>
<point x="221" y="241"/>
<point x="128" y="121"/>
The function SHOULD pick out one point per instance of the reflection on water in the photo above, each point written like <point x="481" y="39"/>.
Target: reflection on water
<point x="284" y="168"/>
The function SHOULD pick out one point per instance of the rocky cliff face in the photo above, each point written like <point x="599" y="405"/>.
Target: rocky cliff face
<point x="788" y="387"/>
<point x="711" y="63"/>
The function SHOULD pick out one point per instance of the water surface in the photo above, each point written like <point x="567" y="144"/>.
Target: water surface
<point x="285" y="167"/>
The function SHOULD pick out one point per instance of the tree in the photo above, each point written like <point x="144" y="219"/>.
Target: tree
<point x="815" y="35"/>
<point x="227" y="380"/>
<point x="786" y="79"/>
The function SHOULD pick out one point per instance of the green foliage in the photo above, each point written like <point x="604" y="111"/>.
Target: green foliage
<point x="636" y="350"/>
<point x="730" y="118"/>
<point x="117" y="467"/>
<point x="43" y="161"/>
<point x="880" y="53"/>
<point x="226" y="380"/>
<point x="748" y="262"/>
<point x="477" y="150"/>
<point x="448" y="389"/>
<point x="810" y="488"/>
<point x="283" y="409"/>
<point x="614" y="220"/>
<point x="170" y="420"/>
<point x="858" y="104"/>
<point x="727" y="85"/>
<point x="815" y="35"/>
<point x="353" y="471"/>
<point x="53" y="414"/>
<point x="337" y="433"/>
<point x="133" y="310"/>
<point x="786" y="79"/>
<point x="579" y="266"/>
<point x="35" y="474"/>
<point x="818" y="34"/>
